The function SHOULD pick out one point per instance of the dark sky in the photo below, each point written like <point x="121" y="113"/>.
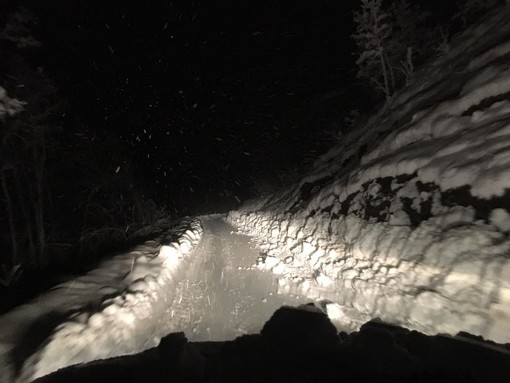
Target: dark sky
<point x="208" y="95"/>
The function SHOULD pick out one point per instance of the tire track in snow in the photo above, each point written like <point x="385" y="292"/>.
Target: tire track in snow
<point x="222" y="295"/>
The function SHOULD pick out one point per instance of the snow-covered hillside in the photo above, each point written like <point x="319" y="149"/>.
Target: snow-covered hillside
<point x="408" y="218"/>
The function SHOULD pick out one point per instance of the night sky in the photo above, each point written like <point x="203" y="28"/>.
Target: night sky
<point x="209" y="97"/>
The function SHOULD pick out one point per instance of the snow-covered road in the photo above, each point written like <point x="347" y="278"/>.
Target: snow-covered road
<point x="204" y="283"/>
<point x="221" y="294"/>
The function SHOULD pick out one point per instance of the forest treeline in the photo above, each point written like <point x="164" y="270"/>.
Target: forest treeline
<point x="393" y="38"/>
<point x="66" y="194"/>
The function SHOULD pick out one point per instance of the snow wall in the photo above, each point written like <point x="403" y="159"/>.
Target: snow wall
<point x="407" y="219"/>
<point x="113" y="310"/>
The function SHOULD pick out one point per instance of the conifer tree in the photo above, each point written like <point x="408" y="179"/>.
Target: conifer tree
<point x="372" y="37"/>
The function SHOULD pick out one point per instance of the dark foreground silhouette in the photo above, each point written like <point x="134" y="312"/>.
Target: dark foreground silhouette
<point x="301" y="345"/>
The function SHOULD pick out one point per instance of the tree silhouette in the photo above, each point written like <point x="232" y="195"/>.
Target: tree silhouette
<point x="389" y="41"/>
<point x="372" y="37"/>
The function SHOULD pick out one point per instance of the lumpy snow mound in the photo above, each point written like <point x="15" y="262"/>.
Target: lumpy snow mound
<point x="408" y="218"/>
<point x="105" y="313"/>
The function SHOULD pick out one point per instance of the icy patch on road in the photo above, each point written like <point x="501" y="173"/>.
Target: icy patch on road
<point x="223" y="295"/>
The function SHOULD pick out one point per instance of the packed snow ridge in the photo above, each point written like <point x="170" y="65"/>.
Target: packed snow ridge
<point x="102" y="314"/>
<point x="408" y="218"/>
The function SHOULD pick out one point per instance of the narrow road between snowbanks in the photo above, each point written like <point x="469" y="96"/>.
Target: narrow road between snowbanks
<point x="201" y="280"/>
<point x="222" y="294"/>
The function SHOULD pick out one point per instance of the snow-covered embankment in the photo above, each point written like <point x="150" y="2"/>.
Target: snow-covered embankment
<point x="107" y="312"/>
<point x="408" y="218"/>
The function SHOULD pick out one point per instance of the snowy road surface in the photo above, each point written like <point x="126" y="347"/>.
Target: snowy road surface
<point x="222" y="294"/>
<point x="126" y="305"/>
